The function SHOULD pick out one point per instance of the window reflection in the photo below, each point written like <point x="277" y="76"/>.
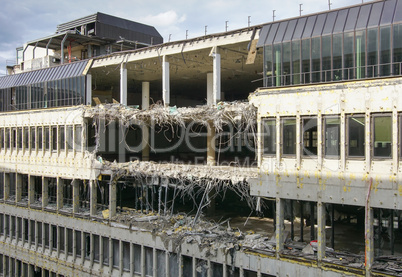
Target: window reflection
<point x="332" y="136"/>
<point x="356" y="133"/>
<point x="269" y="133"/>
<point x="288" y="136"/>
<point x="310" y="136"/>
<point x="382" y="136"/>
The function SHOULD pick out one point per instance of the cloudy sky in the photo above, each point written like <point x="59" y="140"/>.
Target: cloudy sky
<point x="26" y="20"/>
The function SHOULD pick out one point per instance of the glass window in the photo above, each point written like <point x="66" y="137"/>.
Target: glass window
<point x="348" y="39"/>
<point x="26" y="138"/>
<point x="7" y="138"/>
<point x="382" y="136"/>
<point x="310" y="136"/>
<point x="288" y="126"/>
<point x="296" y="62"/>
<point x="96" y="247"/>
<point x="372" y="55"/>
<point x="397" y="53"/>
<point x="326" y="58"/>
<point x="78" y="242"/>
<point x="62" y="140"/>
<point x="19" y="138"/>
<point x="305" y="61"/>
<point x="316" y="59"/>
<point x="32" y="138"/>
<point x="268" y="65"/>
<point x="332" y="136"/>
<point x="54" y="138"/>
<point x="105" y="243"/>
<point x="269" y="133"/>
<point x="385" y="51"/>
<point x="360" y="45"/>
<point x="78" y="138"/>
<point x="116" y="252"/>
<point x="286" y="63"/>
<point x="278" y="64"/>
<point x="47" y="138"/>
<point x="356" y="136"/>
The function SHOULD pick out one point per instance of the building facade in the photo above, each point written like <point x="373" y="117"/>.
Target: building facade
<point x="150" y="161"/>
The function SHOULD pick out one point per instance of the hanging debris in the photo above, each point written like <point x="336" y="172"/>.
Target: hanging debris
<point x="221" y="114"/>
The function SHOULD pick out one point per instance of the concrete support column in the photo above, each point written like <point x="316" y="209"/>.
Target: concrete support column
<point x="320" y="231"/>
<point x="45" y="192"/>
<point x="216" y="74"/>
<point x="211" y="144"/>
<point x="369" y="240"/>
<point x="123" y="83"/>
<point x="31" y="190"/>
<point x="59" y="193"/>
<point x="279" y="232"/>
<point x="88" y="93"/>
<point x="93" y="198"/>
<point x="145" y="129"/>
<point x="76" y="196"/>
<point x="6" y="186"/>
<point x="112" y="199"/>
<point x="18" y="187"/>
<point x="165" y="81"/>
<point x="210" y="89"/>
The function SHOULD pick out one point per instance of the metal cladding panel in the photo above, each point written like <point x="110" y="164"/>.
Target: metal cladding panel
<point x="290" y="30"/>
<point x="388" y="12"/>
<point x="375" y="14"/>
<point x="308" y="29"/>
<point x="363" y="17"/>
<point x="272" y="33"/>
<point x="43" y="75"/>
<point x="299" y="28"/>
<point x="319" y="25"/>
<point x="340" y="21"/>
<point x="352" y="19"/>
<point x="281" y="31"/>
<point x="263" y="35"/>
<point x="76" y="23"/>
<point x="398" y="12"/>
<point x="329" y="23"/>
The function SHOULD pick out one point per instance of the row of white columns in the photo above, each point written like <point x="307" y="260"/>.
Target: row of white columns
<point x="213" y="81"/>
<point x="213" y="97"/>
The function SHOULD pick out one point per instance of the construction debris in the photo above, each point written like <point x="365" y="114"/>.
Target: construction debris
<point x="221" y="114"/>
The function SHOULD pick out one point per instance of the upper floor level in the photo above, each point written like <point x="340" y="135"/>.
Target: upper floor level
<point x="357" y="42"/>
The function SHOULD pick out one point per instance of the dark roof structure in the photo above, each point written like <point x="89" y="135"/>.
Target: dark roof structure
<point x="101" y="28"/>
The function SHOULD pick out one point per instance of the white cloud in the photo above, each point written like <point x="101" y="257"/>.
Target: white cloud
<point x="164" y="19"/>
